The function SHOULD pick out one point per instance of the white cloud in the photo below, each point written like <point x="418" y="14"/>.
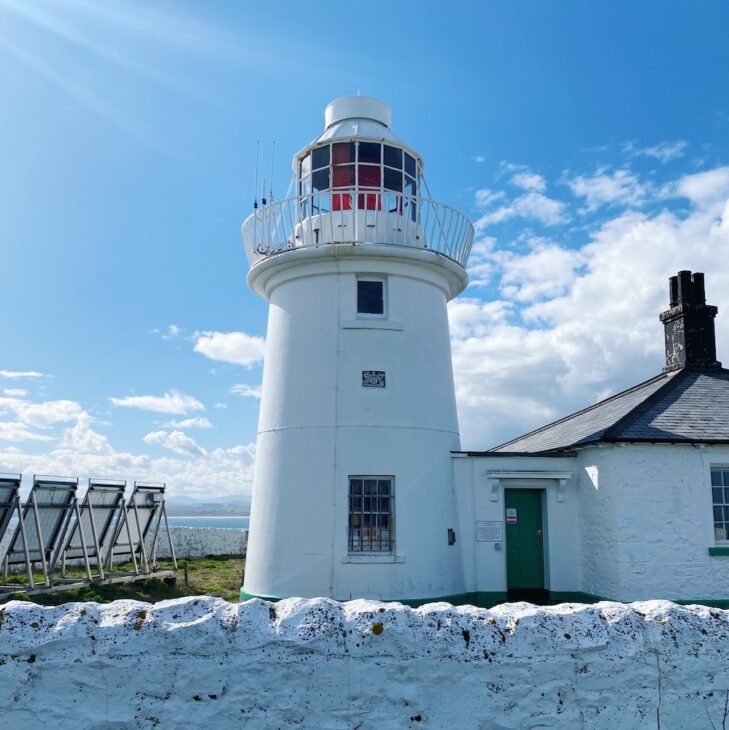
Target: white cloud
<point x="221" y="406"/>
<point x="621" y="187"/>
<point x="572" y="325"/>
<point x="172" y="402"/>
<point x="41" y="414"/>
<point x="246" y="390"/>
<point x="172" y="331"/>
<point x="15" y="392"/>
<point x="190" y="423"/>
<point x="176" y="441"/>
<point x="705" y="188"/>
<point x="663" y="151"/>
<point x="16" y="431"/>
<point x="233" y="347"/>
<point x="479" y="158"/>
<point x="85" y="453"/>
<point x="21" y="374"/>
<point x="529" y="181"/>
<point x="486" y="197"/>
<point x="534" y="206"/>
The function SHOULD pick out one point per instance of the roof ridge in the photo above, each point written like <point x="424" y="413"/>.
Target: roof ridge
<point x="637" y="411"/>
<point x="667" y="376"/>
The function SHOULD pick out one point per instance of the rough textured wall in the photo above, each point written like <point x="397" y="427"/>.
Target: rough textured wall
<point x="189" y="542"/>
<point x="197" y="542"/>
<point x="202" y="662"/>
<point x="664" y="522"/>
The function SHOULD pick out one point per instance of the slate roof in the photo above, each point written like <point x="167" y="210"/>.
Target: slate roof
<point x="690" y="405"/>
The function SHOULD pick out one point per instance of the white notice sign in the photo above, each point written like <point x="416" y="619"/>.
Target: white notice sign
<point x="511" y="515"/>
<point x="489" y="531"/>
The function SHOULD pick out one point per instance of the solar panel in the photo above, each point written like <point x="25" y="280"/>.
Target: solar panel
<point x="143" y="513"/>
<point x="98" y="513"/>
<point x="9" y="488"/>
<point x="45" y="515"/>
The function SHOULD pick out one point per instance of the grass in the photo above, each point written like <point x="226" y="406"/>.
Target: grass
<point x="212" y="576"/>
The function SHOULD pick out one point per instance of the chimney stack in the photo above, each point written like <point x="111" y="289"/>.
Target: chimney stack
<point x="689" y="324"/>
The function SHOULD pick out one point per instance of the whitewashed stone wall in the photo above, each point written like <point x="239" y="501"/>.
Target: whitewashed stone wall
<point x="647" y="526"/>
<point x="202" y="662"/>
<point x="189" y="542"/>
<point x="199" y="542"/>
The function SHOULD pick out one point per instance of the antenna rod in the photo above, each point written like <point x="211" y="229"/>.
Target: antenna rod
<point x="273" y="154"/>
<point x="255" y="189"/>
<point x="263" y="192"/>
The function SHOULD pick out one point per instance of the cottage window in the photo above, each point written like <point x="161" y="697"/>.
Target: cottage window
<point x="720" y="498"/>
<point x="371" y="515"/>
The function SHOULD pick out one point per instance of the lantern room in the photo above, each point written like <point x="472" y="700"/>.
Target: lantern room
<point x="358" y="162"/>
<point x="357" y="183"/>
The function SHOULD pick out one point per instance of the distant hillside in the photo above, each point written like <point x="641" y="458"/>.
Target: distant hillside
<point x="214" y="507"/>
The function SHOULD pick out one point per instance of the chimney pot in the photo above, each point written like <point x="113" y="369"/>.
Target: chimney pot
<point x="684" y="286"/>
<point x="697" y="280"/>
<point x="673" y="291"/>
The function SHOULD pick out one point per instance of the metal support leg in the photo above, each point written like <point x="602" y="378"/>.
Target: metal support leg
<point x="141" y="536"/>
<point x="41" y="544"/>
<point x="169" y="537"/>
<point x="96" y="540"/>
<point x="83" y="540"/>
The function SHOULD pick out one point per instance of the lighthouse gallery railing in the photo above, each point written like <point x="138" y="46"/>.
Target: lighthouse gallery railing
<point x="357" y="216"/>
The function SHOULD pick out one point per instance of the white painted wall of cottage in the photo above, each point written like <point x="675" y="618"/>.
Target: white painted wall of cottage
<point x="647" y="528"/>
<point x="484" y="565"/>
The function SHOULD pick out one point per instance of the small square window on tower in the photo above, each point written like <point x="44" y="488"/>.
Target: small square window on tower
<point x="370" y="296"/>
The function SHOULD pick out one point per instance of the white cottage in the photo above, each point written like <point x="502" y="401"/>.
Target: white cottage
<point x="360" y="489"/>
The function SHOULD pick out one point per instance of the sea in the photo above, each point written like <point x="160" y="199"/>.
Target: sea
<point x="233" y="522"/>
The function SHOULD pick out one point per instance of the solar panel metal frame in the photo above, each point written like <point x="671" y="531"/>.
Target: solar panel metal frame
<point x="8" y="505"/>
<point x="45" y="541"/>
<point x="130" y="519"/>
<point x="91" y="534"/>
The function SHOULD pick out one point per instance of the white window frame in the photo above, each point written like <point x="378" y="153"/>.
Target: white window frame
<point x="724" y="468"/>
<point x="385" y="301"/>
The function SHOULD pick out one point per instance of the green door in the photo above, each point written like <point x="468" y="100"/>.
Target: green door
<point x="524" y="559"/>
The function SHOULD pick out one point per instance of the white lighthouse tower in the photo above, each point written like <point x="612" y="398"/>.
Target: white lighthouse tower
<point x="353" y="488"/>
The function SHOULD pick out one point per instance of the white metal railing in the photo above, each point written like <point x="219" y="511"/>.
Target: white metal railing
<point x="357" y="216"/>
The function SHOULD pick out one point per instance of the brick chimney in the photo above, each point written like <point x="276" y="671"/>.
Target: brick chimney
<point x="689" y="324"/>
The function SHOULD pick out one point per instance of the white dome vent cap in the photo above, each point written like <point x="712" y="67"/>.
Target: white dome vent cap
<point x="357" y="107"/>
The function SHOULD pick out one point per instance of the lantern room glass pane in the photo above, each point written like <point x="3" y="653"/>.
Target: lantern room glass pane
<point x="320" y="179"/>
<point x="320" y="157"/>
<point x="342" y="153"/>
<point x="305" y="167"/>
<point x="343" y="176"/>
<point x="370" y="152"/>
<point x="409" y="164"/>
<point x="393" y="180"/>
<point x="393" y="157"/>
<point x="370" y="176"/>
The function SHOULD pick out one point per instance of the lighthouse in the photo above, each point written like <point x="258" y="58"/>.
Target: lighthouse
<point x="353" y="492"/>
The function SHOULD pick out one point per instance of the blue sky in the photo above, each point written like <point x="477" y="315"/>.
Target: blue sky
<point x="589" y="143"/>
